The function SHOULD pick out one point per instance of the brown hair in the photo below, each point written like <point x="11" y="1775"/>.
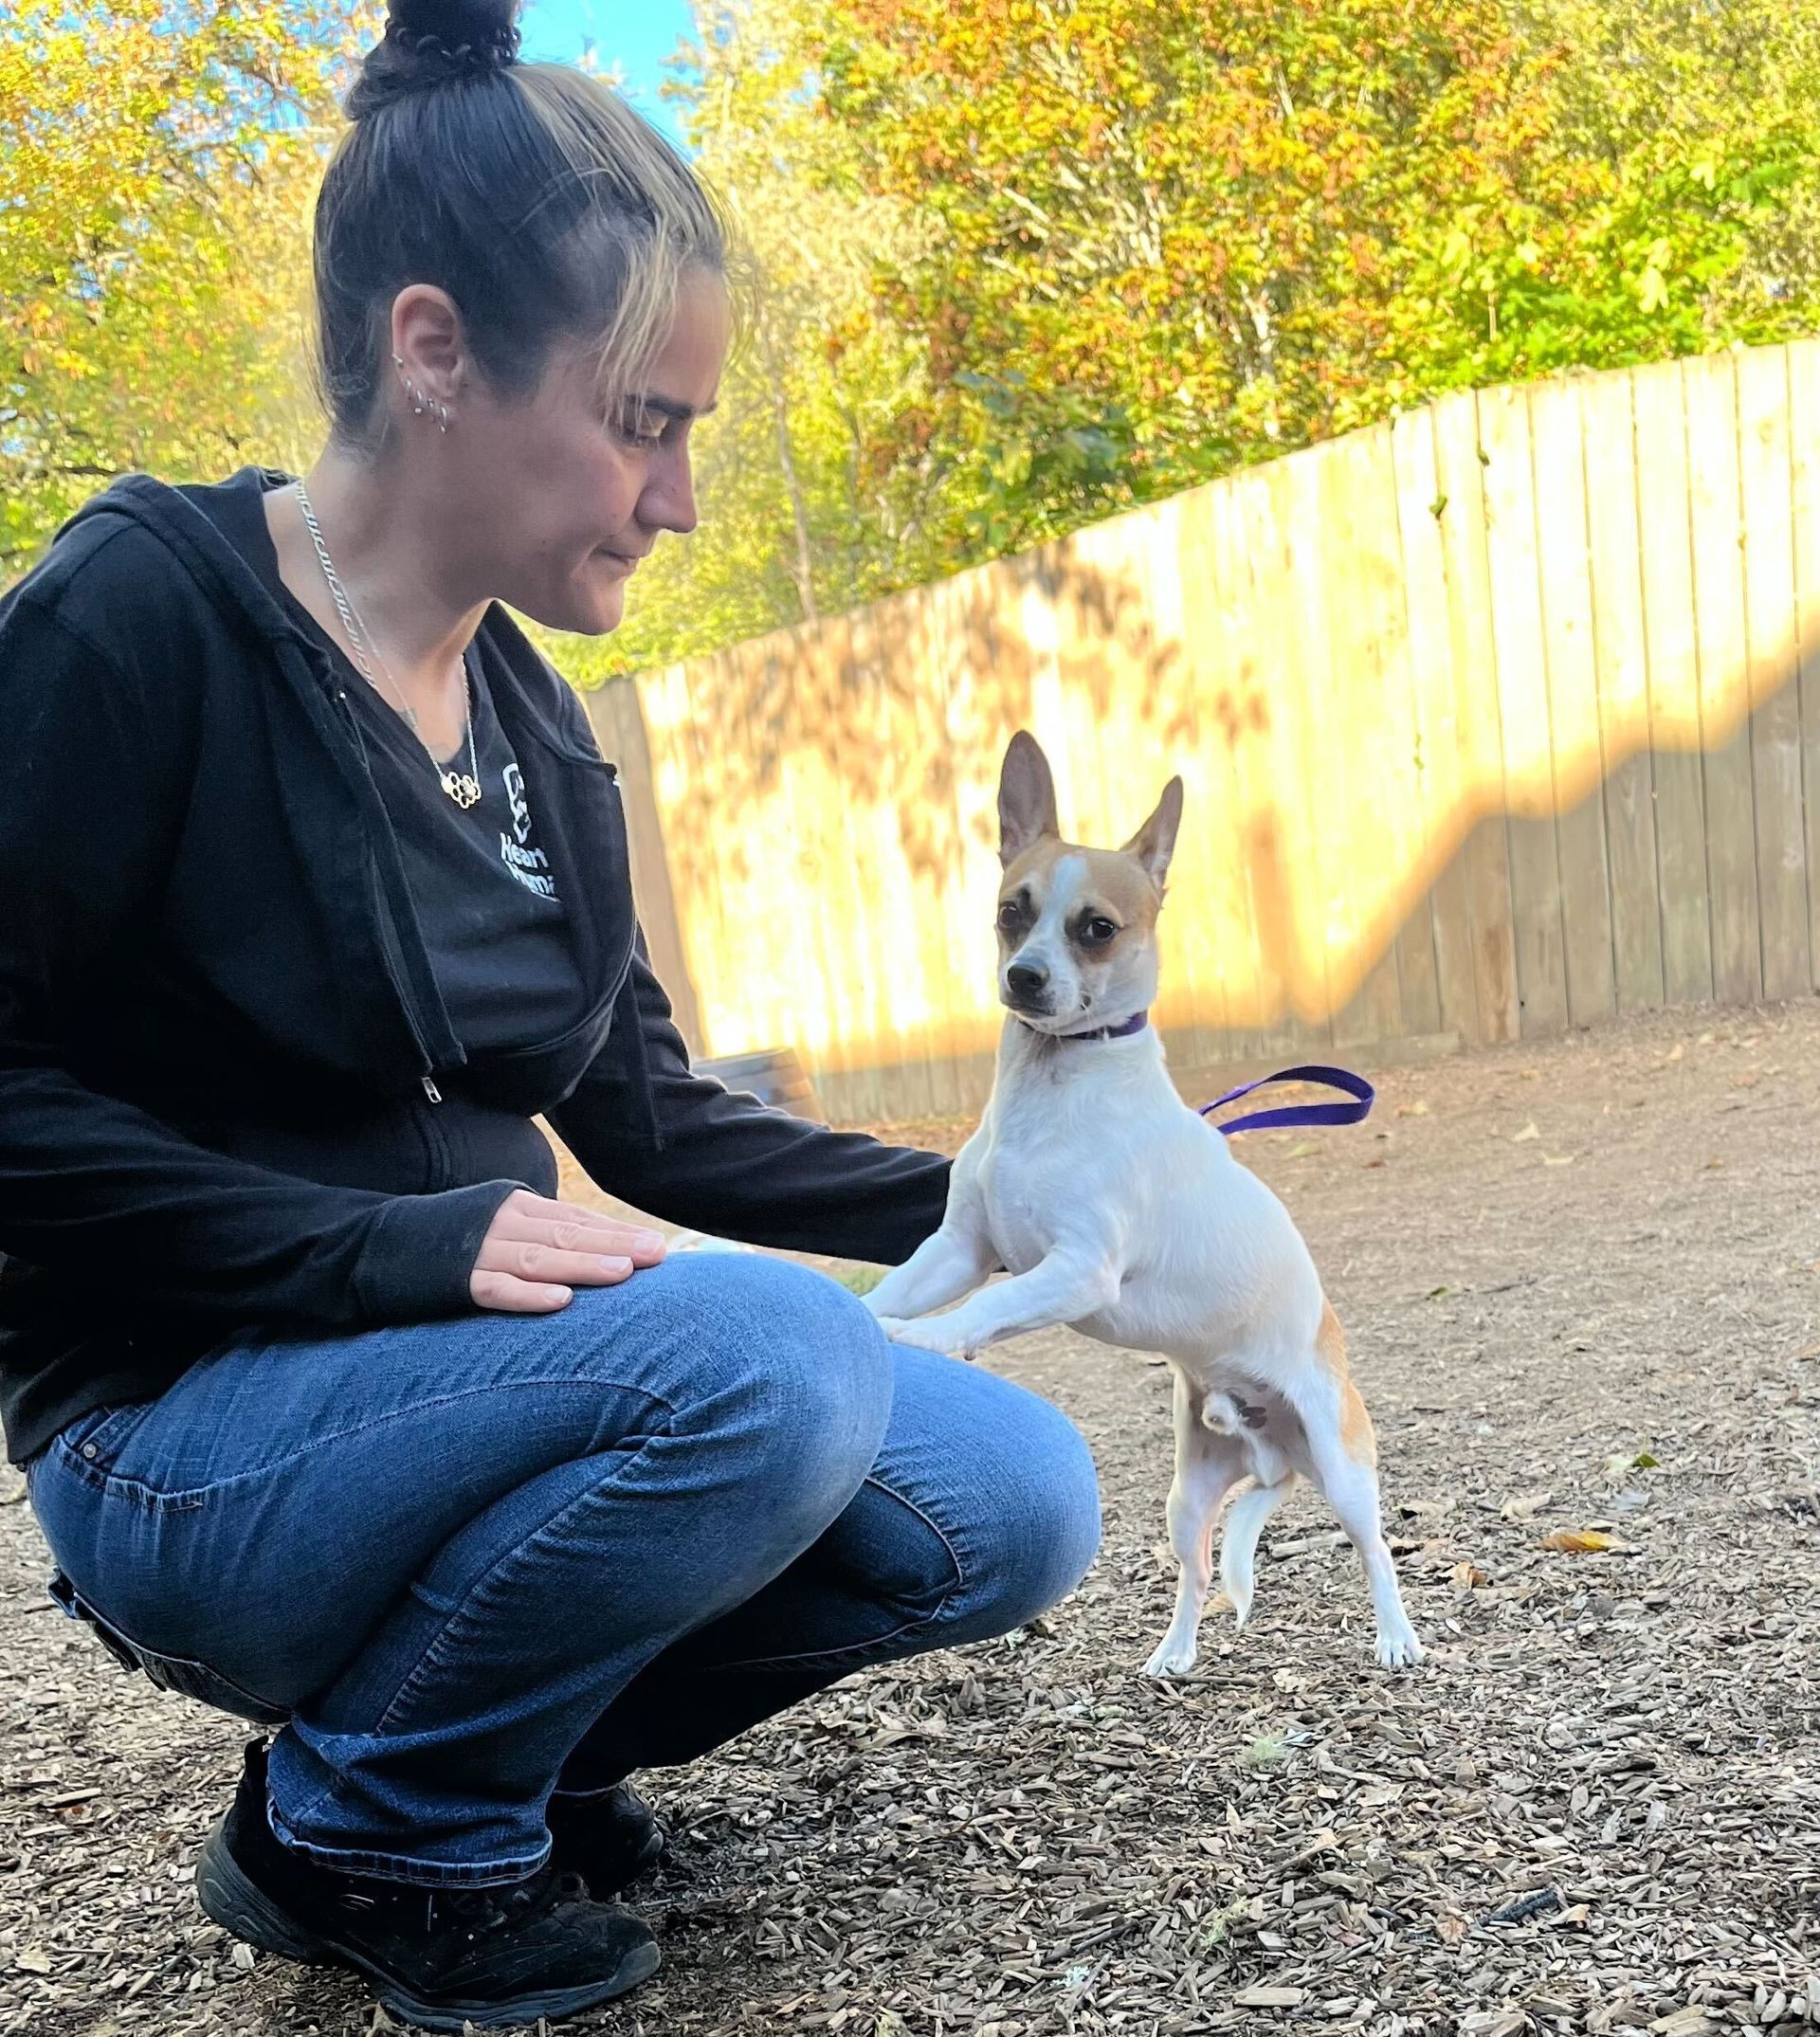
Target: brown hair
<point x="531" y="193"/>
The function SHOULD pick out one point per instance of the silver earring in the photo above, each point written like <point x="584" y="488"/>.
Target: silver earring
<point x="422" y="406"/>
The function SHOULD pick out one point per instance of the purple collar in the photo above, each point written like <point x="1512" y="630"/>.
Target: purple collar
<point x="1355" y="1086"/>
<point x="1123" y="1031"/>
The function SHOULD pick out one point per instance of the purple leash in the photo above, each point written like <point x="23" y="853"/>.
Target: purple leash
<point x="1355" y="1086"/>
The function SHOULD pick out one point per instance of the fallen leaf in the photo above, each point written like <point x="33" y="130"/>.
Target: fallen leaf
<point x="1579" y="1541"/>
<point x="1712" y="1166"/>
<point x="1417" y="1109"/>
<point x="1620" y="1467"/>
<point x="34" y="1959"/>
<point x="1450" y="1930"/>
<point x="1528" y="1132"/>
<point x="1525" y="1506"/>
<point x="1379" y="1794"/>
<point x="1302" y="1152"/>
<point x="1675" y="1053"/>
<point x="1468" y="1577"/>
<point x="1435" y="1294"/>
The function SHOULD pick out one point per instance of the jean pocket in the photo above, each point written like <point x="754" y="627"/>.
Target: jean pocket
<point x="95" y="1439"/>
<point x="182" y="1673"/>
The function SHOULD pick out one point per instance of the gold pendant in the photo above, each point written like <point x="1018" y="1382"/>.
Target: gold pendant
<point x="462" y="787"/>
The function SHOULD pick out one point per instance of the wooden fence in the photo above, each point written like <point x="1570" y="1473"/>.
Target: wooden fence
<point x="1495" y="720"/>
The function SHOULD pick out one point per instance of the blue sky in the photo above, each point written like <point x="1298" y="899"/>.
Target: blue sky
<point x="636" y="34"/>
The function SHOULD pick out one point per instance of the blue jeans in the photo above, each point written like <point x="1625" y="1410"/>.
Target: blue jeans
<point x="473" y="1562"/>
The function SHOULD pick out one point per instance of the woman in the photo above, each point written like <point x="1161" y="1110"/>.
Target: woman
<point x="333" y="1414"/>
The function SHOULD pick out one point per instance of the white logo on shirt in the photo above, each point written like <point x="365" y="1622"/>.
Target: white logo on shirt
<point x="531" y="867"/>
<point x="514" y="781"/>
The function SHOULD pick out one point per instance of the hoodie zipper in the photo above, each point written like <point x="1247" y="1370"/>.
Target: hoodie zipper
<point x="428" y="1078"/>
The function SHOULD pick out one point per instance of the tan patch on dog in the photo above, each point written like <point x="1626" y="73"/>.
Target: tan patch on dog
<point x="1356" y="1436"/>
<point x="1123" y="886"/>
<point x="1112" y="883"/>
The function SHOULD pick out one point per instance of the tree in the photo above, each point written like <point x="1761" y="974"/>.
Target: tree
<point x="1173" y="236"/>
<point x="156" y="162"/>
<point x="804" y="509"/>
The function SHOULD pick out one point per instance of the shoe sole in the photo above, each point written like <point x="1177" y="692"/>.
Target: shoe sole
<point x="229" y="1899"/>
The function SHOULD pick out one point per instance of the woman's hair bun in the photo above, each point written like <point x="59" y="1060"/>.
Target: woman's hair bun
<point x="427" y="43"/>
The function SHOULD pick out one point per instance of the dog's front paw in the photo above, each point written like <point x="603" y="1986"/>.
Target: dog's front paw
<point x="1173" y="1657"/>
<point x="1399" y="1649"/>
<point x="925" y="1333"/>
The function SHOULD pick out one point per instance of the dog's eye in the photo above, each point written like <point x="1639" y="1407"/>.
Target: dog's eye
<point x="1098" y="932"/>
<point x="1010" y="917"/>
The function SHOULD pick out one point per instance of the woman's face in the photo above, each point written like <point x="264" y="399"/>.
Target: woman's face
<point x="573" y="495"/>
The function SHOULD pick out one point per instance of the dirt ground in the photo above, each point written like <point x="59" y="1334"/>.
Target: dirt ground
<point x="1582" y="1285"/>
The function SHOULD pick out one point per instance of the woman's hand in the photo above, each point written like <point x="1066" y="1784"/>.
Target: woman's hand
<point x="538" y="1252"/>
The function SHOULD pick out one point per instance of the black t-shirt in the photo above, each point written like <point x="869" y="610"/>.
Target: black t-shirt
<point x="493" y="925"/>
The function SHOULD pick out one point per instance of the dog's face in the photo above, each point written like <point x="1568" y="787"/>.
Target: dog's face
<point x="1076" y="926"/>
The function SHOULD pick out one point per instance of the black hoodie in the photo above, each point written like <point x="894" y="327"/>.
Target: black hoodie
<point x="230" y="1095"/>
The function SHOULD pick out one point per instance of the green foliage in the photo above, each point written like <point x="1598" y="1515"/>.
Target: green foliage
<point x="809" y="500"/>
<point x="157" y="160"/>
<point x="1017" y="263"/>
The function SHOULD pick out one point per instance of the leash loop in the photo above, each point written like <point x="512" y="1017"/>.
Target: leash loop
<point x="1355" y="1086"/>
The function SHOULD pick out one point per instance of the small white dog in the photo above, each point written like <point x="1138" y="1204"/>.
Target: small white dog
<point x="1117" y="1209"/>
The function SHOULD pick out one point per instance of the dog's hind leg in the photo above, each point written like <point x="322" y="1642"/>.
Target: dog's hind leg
<point x="1245" y="1521"/>
<point x="1343" y="1450"/>
<point x="1207" y="1463"/>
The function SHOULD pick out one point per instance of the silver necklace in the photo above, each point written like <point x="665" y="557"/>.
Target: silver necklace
<point x="462" y="787"/>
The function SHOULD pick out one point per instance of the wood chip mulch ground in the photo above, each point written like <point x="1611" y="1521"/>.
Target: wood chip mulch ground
<point x="1582" y="1287"/>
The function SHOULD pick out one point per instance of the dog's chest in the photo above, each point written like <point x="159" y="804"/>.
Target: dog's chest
<point x="1021" y="1192"/>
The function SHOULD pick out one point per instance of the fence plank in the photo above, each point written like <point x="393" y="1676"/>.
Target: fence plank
<point x="1392" y="754"/>
<point x="1622" y="667"/>
<point x="1445" y="791"/>
<point x="1284" y="850"/>
<point x="1333" y="555"/>
<point x="1191" y="595"/>
<point x="1665" y="526"/>
<point x="1711" y="395"/>
<point x="983" y="707"/>
<point x="883" y="869"/>
<point x="1523" y="699"/>
<point x="845" y="1063"/>
<point x="1478" y="725"/>
<point x="1563" y="555"/>
<point x="1804" y="433"/>
<point x="618" y="721"/>
<point x="1766" y="497"/>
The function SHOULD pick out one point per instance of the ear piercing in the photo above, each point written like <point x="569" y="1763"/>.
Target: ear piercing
<point x="420" y="406"/>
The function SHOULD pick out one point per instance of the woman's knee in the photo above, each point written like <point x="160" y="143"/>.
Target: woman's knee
<point x="781" y="1362"/>
<point x="1035" y="1525"/>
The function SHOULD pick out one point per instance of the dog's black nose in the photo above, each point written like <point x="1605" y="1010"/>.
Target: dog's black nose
<point x="1024" y="981"/>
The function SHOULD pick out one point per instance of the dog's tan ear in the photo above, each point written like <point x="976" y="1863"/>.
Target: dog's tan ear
<point x="1026" y="798"/>
<point x="1154" y="842"/>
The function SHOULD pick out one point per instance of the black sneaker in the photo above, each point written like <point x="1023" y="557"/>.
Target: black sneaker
<point x="609" y="1840"/>
<point x="438" y="1957"/>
